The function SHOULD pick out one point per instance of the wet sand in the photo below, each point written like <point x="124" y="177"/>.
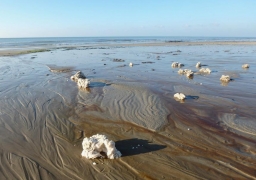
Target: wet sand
<point x="44" y="116"/>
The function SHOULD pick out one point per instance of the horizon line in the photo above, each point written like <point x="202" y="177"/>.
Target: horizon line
<point x="122" y="36"/>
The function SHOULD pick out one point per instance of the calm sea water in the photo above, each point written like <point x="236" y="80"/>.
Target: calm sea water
<point x="12" y="43"/>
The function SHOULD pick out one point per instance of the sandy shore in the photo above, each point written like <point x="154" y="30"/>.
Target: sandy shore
<point x="44" y="116"/>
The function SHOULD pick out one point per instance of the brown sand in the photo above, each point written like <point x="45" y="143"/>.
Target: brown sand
<point x="44" y="117"/>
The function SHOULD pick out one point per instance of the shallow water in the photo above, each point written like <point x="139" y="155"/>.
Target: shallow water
<point x="21" y="43"/>
<point x="44" y="116"/>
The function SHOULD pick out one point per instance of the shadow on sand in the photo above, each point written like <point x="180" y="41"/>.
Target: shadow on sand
<point x="98" y="84"/>
<point x="130" y="147"/>
<point x="192" y="97"/>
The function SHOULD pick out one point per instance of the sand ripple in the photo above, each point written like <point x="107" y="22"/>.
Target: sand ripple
<point x="240" y="124"/>
<point x="135" y="104"/>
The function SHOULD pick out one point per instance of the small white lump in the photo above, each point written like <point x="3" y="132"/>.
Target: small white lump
<point x="94" y="145"/>
<point x="245" y="66"/>
<point x="198" y="65"/>
<point x="205" y="70"/>
<point x="186" y="72"/>
<point x="190" y="74"/>
<point x="225" y="78"/>
<point x="177" y="65"/>
<point x="180" y="96"/>
<point x="131" y="64"/>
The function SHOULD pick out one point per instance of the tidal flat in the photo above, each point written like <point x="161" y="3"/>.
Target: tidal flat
<point x="44" y="116"/>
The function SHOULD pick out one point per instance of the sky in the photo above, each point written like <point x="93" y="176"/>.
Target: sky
<point x="89" y="18"/>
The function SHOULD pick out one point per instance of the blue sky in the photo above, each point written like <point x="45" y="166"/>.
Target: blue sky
<point x="69" y="18"/>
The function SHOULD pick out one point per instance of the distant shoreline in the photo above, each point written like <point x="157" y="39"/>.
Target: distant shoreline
<point x="30" y="50"/>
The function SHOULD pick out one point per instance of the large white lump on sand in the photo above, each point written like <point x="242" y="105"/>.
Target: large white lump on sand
<point x="78" y="75"/>
<point x="245" y="66"/>
<point x="177" y="65"/>
<point x="225" y="78"/>
<point x="93" y="146"/>
<point x="180" y="96"/>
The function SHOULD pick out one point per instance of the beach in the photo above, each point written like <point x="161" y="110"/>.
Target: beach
<point x="44" y="116"/>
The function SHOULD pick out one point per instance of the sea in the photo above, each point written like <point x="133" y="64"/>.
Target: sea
<point x="19" y="43"/>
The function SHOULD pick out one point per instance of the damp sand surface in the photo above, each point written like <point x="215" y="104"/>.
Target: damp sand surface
<point x="211" y="135"/>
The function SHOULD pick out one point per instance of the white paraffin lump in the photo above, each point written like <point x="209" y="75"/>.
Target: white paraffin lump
<point x="130" y="64"/>
<point x="177" y="65"/>
<point x="186" y="72"/>
<point x="205" y="70"/>
<point x="198" y="65"/>
<point x="81" y="80"/>
<point x="225" y="78"/>
<point x="78" y="75"/>
<point x="245" y="66"/>
<point x="190" y="74"/>
<point x="83" y="83"/>
<point x="179" y="96"/>
<point x="93" y="146"/>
